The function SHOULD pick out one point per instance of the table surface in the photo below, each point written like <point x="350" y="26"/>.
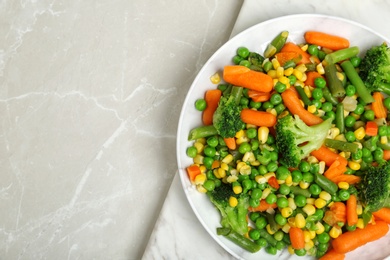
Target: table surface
<point x="90" y="96"/>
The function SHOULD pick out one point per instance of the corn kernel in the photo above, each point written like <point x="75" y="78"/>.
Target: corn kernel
<point x="320" y="68"/>
<point x="248" y="157"/>
<point x="309" y="245"/>
<point x="333" y="132"/>
<point x="359" y="209"/>
<point x="233" y="201"/>
<point x="291" y="221"/>
<point x="199" y="147"/>
<point x="305" y="47"/>
<point x="286" y="228"/>
<point x="272" y="74"/>
<point x="312" y="159"/>
<point x="335" y="232"/>
<point x="260" y="179"/>
<point x="301" y="67"/>
<point x="237" y="189"/>
<point x="275" y="80"/>
<point x="340" y="76"/>
<point x="221" y="173"/>
<point x="288" y="72"/>
<point x="200" y="179"/>
<point x="360" y="133"/>
<point x="299" y="82"/>
<point x="320" y="203"/>
<point x="354" y="165"/>
<point x="198" y="159"/>
<point x="231" y="178"/>
<point x="291" y="203"/>
<point x="242" y="139"/>
<point x="291" y="250"/>
<point x="224" y="166"/>
<point x="240" y="134"/>
<point x="360" y="223"/>
<point x="262" y="134"/>
<point x="325" y="195"/>
<point x="309" y="209"/>
<point x="310" y="201"/>
<point x="272" y="111"/>
<point x="320" y="228"/>
<point x="298" y="74"/>
<point x="279" y="72"/>
<point x="201" y="189"/>
<point x="340" y="137"/>
<point x="255" y="163"/>
<point x="228" y="159"/>
<point x="284" y="80"/>
<point x="203" y="169"/>
<point x="321" y="165"/>
<point x="239" y="165"/>
<point x="288" y="180"/>
<point x="266" y="192"/>
<point x="286" y="212"/>
<point x="245" y="170"/>
<point x="306" y="235"/>
<point x="269" y="229"/>
<point x="300" y="221"/>
<point x="343" y="185"/>
<point x="312" y="234"/>
<point x="304" y="185"/>
<point x="275" y="63"/>
<point x="269" y="175"/>
<point x="312" y="109"/>
<point x="383" y="140"/>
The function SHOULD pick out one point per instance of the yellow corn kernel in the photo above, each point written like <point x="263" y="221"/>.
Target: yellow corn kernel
<point x="312" y="234"/>
<point x="304" y="47"/>
<point x="306" y="235"/>
<point x="340" y="137"/>
<point x="279" y="72"/>
<point x="221" y="173"/>
<point x="224" y="166"/>
<point x="266" y="192"/>
<point x="231" y="178"/>
<point x="262" y="134"/>
<point x="321" y="165"/>
<point x="269" y="175"/>
<point x="203" y="169"/>
<point x="245" y="170"/>
<point x="240" y="134"/>
<point x="272" y="111"/>
<point x="298" y="74"/>
<point x="343" y="185"/>
<point x="309" y="245"/>
<point x="237" y="189"/>
<point x="199" y="147"/>
<point x="248" y="157"/>
<point x="359" y="209"/>
<point x="334" y="232"/>
<point x="239" y="165"/>
<point x="200" y="179"/>
<point x="272" y="74"/>
<point x="228" y="159"/>
<point x="360" y="133"/>
<point x="291" y="250"/>
<point x="320" y="68"/>
<point x="320" y="228"/>
<point x="360" y="223"/>
<point x="291" y="221"/>
<point x="304" y="185"/>
<point x="300" y="221"/>
<point x="320" y="203"/>
<point x="286" y="212"/>
<point x="281" y="181"/>
<point x="255" y="163"/>
<point x="333" y="132"/>
<point x="307" y="91"/>
<point x="383" y="140"/>
<point x="284" y="80"/>
<point x="312" y="109"/>
<point x="354" y="165"/>
<point x="309" y="209"/>
<point x="286" y="228"/>
<point x="260" y="179"/>
<point x="310" y="201"/>
<point x="325" y="196"/>
<point x="299" y="82"/>
<point x="288" y="72"/>
<point x="275" y="63"/>
<point x="233" y="201"/>
<point x="356" y="116"/>
<point x="288" y="180"/>
<point x="291" y="203"/>
<point x="340" y="76"/>
<point x="312" y="159"/>
<point x="275" y="80"/>
<point x="242" y="139"/>
<point x="201" y="189"/>
<point x="215" y="78"/>
<point x="198" y="159"/>
<point x="269" y="229"/>
<point x="301" y="67"/>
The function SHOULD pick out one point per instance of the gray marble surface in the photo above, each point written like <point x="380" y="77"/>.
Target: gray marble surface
<point x="178" y="234"/>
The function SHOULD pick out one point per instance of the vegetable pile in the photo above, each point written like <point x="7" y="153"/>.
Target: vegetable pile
<point x="294" y="146"/>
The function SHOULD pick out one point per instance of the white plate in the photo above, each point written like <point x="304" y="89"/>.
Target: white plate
<point x="256" y="38"/>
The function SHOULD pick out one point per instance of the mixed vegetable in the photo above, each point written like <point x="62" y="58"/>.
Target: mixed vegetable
<point x="294" y="146"/>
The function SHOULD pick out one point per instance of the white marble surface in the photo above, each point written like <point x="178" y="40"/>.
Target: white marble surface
<point x="90" y="95"/>
<point x="178" y="234"/>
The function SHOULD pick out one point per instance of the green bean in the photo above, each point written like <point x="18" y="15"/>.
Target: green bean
<point x="341" y="145"/>
<point x="329" y="97"/>
<point x="341" y="55"/>
<point x="239" y="239"/>
<point x="202" y="131"/>
<point x="303" y="95"/>
<point x="270" y="239"/>
<point x="299" y="191"/>
<point x="276" y="44"/>
<point x="325" y="184"/>
<point x="340" y="123"/>
<point x="334" y="83"/>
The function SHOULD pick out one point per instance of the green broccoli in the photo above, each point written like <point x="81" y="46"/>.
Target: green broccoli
<point x="234" y="223"/>
<point x="227" y="117"/>
<point x="374" y="69"/>
<point x="374" y="187"/>
<point x="295" y="140"/>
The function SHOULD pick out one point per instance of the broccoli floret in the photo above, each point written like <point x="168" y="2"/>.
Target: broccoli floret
<point x="227" y="117"/>
<point x="374" y="69"/>
<point x="295" y="140"/>
<point x="375" y="187"/>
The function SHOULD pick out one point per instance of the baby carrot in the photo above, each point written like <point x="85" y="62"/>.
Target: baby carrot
<point x="335" y="169"/>
<point x="297" y="238"/>
<point x="379" y="109"/>
<point x="247" y="78"/>
<point x="263" y="206"/>
<point x="383" y="214"/>
<point x="193" y="171"/>
<point x="212" y="98"/>
<point x="350" y="178"/>
<point x="286" y="56"/>
<point x="292" y="47"/>
<point x="326" y="40"/>
<point x="326" y="155"/>
<point x="293" y="103"/>
<point x="258" y="118"/>
<point x="351" y="240"/>
<point x="332" y="255"/>
<point x="352" y="217"/>
<point x="257" y="96"/>
<point x="337" y="213"/>
<point x="230" y="143"/>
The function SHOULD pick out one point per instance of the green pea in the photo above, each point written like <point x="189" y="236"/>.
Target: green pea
<point x="251" y="133"/>
<point x="256" y="105"/>
<point x="369" y="115"/>
<point x="254" y="202"/>
<point x="317" y="93"/>
<point x="323" y="237"/>
<point x="271" y="250"/>
<point x="350" y="136"/>
<point x="282" y="202"/>
<point x="261" y="222"/>
<point x="262" y="169"/>
<point x="255" y="145"/>
<point x="271" y="198"/>
<point x="272" y="166"/>
<point x="304" y="166"/>
<point x="209" y="151"/>
<point x="279" y="219"/>
<point x="274" y="156"/>
<point x="256" y="193"/>
<point x="350" y="90"/>
<point x="314" y="168"/>
<point x="321" y="54"/>
<point x="243" y="52"/>
<point x="330" y="114"/>
<point x="300" y="252"/>
<point x="382" y="130"/>
<point x="343" y="195"/>
<point x="280" y="245"/>
<point x="357" y="155"/>
<point x="386" y="102"/>
<point x="300" y="200"/>
<point x="316" y="103"/>
<point x="284" y="189"/>
<point x="267" y="104"/>
<point x="313" y="49"/>
<point x="365" y="152"/>
<point x="327" y="106"/>
<point x="278" y="234"/>
<point x="244" y="101"/>
<point x="254" y="234"/>
<point x="200" y="104"/>
<point x="276" y="99"/>
<point x="315" y="189"/>
<point x="222" y="87"/>
<point x="191" y="151"/>
<point x="254" y="215"/>
<point x="282" y="173"/>
<point x="323" y="247"/>
<point x="351" y="228"/>
<point x="245" y="63"/>
<point x="261" y="242"/>
<point x="212" y="141"/>
<point x="237" y="59"/>
<point x="368" y="159"/>
<point x="270" y="139"/>
<point x="279" y="108"/>
<point x="280" y="87"/>
<point x="267" y="66"/>
<point x="355" y="61"/>
<point x="359" y="109"/>
<point x="349" y="121"/>
<point x="378" y="155"/>
<point x="209" y="185"/>
<point x="307" y="177"/>
<point x="208" y="161"/>
<point x="296" y="176"/>
<point x="292" y="79"/>
<point x="319" y="82"/>
<point x="244" y="147"/>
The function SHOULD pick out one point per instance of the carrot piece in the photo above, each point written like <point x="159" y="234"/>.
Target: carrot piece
<point x="351" y="240"/>
<point x="386" y="155"/>
<point x="193" y="171"/>
<point x="350" y="178"/>
<point x="326" y="155"/>
<point x="293" y="103"/>
<point x="332" y="255"/>
<point x="337" y="168"/>
<point x="326" y="40"/>
<point x="258" y="118"/>
<point x="273" y="182"/>
<point x="371" y="128"/>
<point x="263" y="206"/>
<point x="297" y="238"/>
<point x="310" y="77"/>
<point x="336" y="213"/>
<point x="292" y="47"/>
<point x="377" y="106"/>
<point x="212" y="98"/>
<point x="383" y="214"/>
<point x="230" y="143"/>
<point x="257" y="96"/>
<point x="286" y="56"/>
<point x="352" y="216"/>
<point x="215" y="164"/>
<point x="247" y="78"/>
